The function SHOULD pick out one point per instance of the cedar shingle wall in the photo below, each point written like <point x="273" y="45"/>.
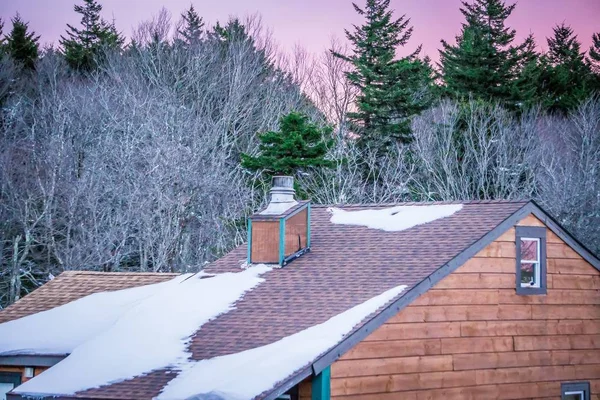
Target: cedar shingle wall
<point x="295" y="228"/>
<point x="265" y="242"/>
<point x="472" y="337"/>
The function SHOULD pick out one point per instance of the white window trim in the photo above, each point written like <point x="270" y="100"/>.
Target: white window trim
<point x="579" y="392"/>
<point x="537" y="273"/>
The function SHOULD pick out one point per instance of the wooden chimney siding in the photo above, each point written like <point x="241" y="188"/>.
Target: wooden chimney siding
<point x="473" y="337"/>
<point x="295" y="226"/>
<point x="265" y="242"/>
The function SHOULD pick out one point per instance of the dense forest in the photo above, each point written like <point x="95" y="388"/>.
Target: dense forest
<point x="147" y="153"/>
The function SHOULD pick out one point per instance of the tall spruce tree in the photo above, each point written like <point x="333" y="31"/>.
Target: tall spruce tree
<point x="594" y="54"/>
<point x="85" y="47"/>
<point x="233" y="31"/>
<point x="484" y="64"/>
<point x="193" y="26"/>
<point x="566" y="78"/>
<point x="22" y="45"/>
<point x="528" y="71"/>
<point x="391" y="90"/>
<point x="1" y="38"/>
<point x="298" y="145"/>
<point x="233" y="34"/>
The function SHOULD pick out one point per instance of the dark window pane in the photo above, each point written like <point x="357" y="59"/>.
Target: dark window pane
<point x="528" y="273"/>
<point x="529" y="249"/>
<point x="577" y="396"/>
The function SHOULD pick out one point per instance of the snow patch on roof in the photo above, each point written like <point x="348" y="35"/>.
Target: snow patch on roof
<point x="60" y="330"/>
<point x="149" y="329"/>
<point x="247" y="374"/>
<point x="395" y="218"/>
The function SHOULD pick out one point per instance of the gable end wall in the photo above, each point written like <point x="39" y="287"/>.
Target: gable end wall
<point x="472" y="337"/>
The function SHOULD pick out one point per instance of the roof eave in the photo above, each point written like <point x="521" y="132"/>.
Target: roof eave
<point x="28" y="360"/>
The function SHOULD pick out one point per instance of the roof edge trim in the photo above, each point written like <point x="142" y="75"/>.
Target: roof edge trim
<point x="31" y="360"/>
<point x="564" y="234"/>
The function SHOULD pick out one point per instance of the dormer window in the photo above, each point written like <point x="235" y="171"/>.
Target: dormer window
<point x="531" y="260"/>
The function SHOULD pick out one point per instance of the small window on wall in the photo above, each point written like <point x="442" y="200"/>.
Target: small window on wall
<point x="575" y="391"/>
<point x="531" y="260"/>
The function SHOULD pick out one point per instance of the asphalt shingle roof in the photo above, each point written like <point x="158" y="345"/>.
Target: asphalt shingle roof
<point x="347" y="265"/>
<point x="73" y="285"/>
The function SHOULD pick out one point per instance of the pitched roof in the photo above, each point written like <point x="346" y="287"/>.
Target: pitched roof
<point x="73" y="285"/>
<point x="347" y="265"/>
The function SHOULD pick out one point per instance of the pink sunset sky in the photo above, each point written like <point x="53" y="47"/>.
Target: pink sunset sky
<point x="312" y="23"/>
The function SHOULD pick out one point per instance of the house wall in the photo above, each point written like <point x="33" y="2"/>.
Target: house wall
<point x="472" y="337"/>
<point x="21" y="370"/>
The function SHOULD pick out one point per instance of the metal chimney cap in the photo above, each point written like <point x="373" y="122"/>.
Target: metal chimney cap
<point x="282" y="196"/>
<point x="283" y="181"/>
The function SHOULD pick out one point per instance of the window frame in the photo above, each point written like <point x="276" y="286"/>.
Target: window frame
<point x="14" y="378"/>
<point x="567" y="388"/>
<point x="292" y="394"/>
<point x="531" y="233"/>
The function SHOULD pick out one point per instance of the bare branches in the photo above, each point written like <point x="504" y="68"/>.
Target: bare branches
<point x="474" y="152"/>
<point x="134" y="168"/>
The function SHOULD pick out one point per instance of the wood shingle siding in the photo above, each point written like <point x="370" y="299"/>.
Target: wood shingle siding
<point x="473" y="337"/>
<point x="265" y="241"/>
<point x="296" y="232"/>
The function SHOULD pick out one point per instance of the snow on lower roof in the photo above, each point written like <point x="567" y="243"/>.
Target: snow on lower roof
<point x="149" y="329"/>
<point x="395" y="218"/>
<point x="247" y="374"/>
<point x="60" y="330"/>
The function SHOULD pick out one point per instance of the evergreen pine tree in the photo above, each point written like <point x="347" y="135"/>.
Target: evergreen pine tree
<point x="528" y="71"/>
<point x="84" y="47"/>
<point x="298" y="145"/>
<point x="233" y="31"/>
<point x="22" y="45"/>
<point x="566" y="78"/>
<point x="388" y="86"/>
<point x="193" y="26"/>
<point x="594" y="54"/>
<point x="564" y="48"/>
<point x="1" y="38"/>
<point x="483" y="64"/>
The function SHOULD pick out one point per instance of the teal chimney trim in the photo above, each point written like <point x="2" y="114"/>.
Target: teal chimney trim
<point x="249" y="224"/>
<point x="321" y="385"/>
<point x="281" y="240"/>
<point x="308" y="225"/>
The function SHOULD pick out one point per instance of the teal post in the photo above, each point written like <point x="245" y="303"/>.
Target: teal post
<point x="249" y="241"/>
<point x="281" y="240"/>
<point x="308" y="226"/>
<point x="321" y="385"/>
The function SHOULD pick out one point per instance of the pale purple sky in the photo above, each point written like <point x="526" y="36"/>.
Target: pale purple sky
<point x="311" y="23"/>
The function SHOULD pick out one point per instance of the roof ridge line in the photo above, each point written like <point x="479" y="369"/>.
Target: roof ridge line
<point x="115" y="273"/>
<point x="423" y="203"/>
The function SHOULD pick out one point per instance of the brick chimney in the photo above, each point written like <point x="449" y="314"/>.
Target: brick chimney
<point x="281" y="232"/>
